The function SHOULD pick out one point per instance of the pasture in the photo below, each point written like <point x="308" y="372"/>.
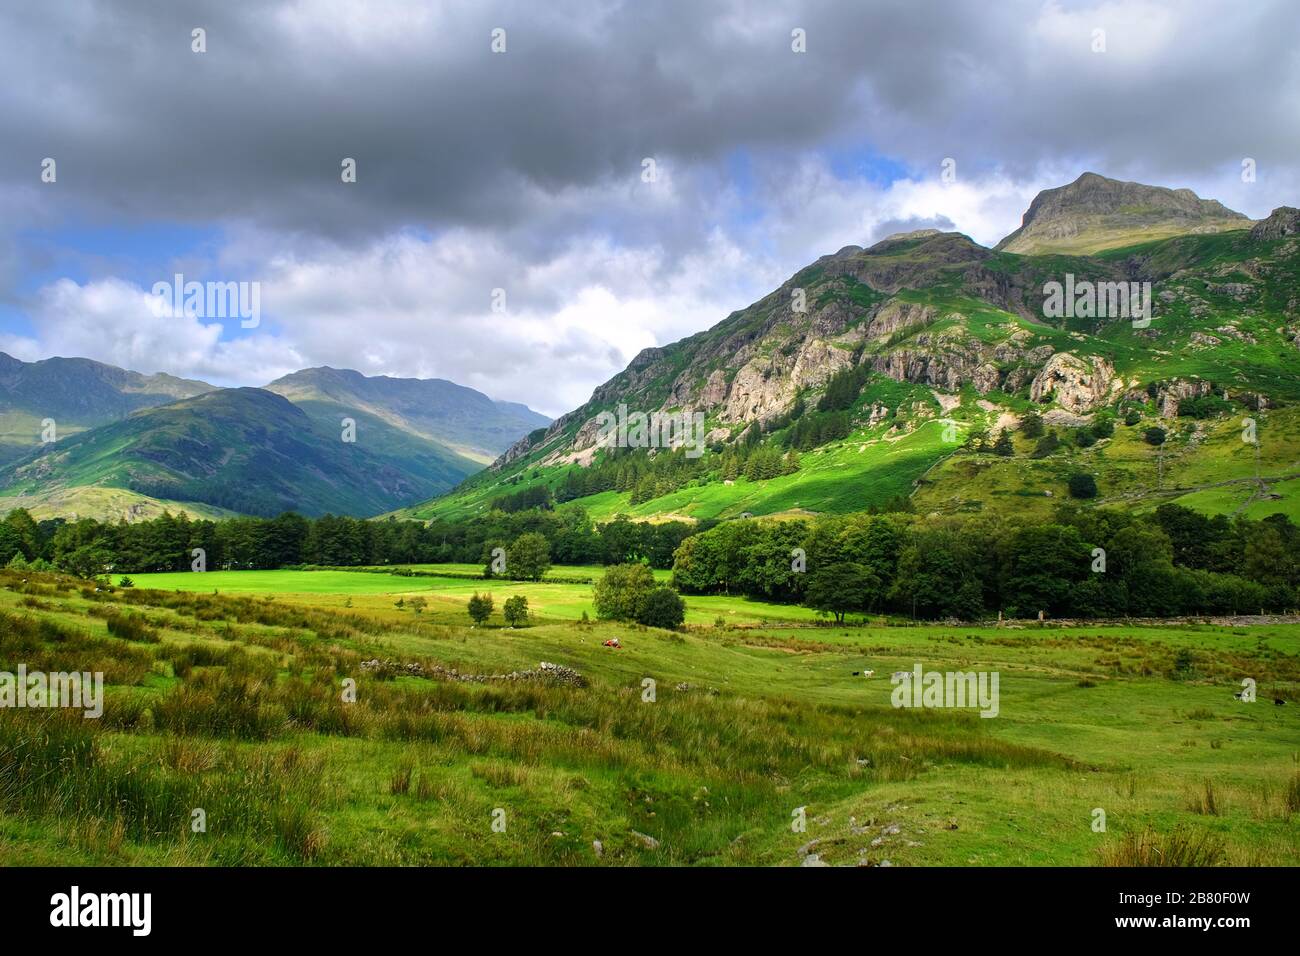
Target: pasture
<point x="234" y="703"/>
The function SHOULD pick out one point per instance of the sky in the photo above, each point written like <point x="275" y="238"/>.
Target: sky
<point x="533" y="207"/>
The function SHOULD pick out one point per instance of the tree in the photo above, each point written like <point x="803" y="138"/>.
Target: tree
<point x="1046" y="445"/>
<point x="1042" y="566"/>
<point x="842" y="389"/>
<point x="1267" y="558"/>
<point x="1132" y="417"/>
<point x="87" y="561"/>
<point x="516" y="610"/>
<point x="839" y="587"/>
<point x="621" y="593"/>
<point x="663" y="607"/>
<point x="938" y="575"/>
<point x="480" y="607"/>
<point x="1003" y="447"/>
<point x="1031" y="425"/>
<point x="20" y="519"/>
<point x="418" y="604"/>
<point x="11" y="543"/>
<point x="621" y="540"/>
<point x="1083" y="485"/>
<point x="1154" y="435"/>
<point x="529" y="557"/>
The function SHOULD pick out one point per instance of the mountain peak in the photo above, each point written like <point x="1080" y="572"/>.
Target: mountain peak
<point x="465" y="420"/>
<point x="1095" y="212"/>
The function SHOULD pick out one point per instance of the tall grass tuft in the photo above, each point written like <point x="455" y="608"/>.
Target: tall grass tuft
<point x="1179" y="847"/>
<point x="1204" y="802"/>
<point x="1291" y="796"/>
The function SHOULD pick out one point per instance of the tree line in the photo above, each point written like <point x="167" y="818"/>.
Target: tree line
<point x="1080" y="563"/>
<point x="88" y="547"/>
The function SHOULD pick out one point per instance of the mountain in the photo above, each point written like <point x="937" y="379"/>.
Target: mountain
<point x="244" y="450"/>
<point x="131" y="445"/>
<point x="1095" y="213"/>
<point x="909" y="352"/>
<point x="467" y="422"/>
<point x="77" y="394"/>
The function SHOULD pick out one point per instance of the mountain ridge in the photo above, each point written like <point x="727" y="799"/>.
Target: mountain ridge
<point x="460" y="417"/>
<point x="407" y="447"/>
<point x="1095" y="212"/>
<point x="936" y="325"/>
<point x="247" y="450"/>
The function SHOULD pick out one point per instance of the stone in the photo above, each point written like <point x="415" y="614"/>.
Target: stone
<point x="650" y="842"/>
<point x="1076" y="384"/>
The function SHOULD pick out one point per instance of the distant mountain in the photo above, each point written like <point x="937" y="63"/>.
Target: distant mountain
<point x="130" y="445"/>
<point x="245" y="450"/>
<point x="464" y="420"/>
<point x="1095" y="213"/>
<point x="78" y="394"/>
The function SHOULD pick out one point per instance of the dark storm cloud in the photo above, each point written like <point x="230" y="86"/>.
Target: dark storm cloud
<point x="522" y="170"/>
<point x="445" y="131"/>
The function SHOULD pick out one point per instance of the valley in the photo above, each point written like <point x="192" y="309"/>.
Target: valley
<point x="366" y="620"/>
<point x="235" y="700"/>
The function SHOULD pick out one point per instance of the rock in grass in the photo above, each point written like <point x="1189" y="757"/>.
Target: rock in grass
<point x="807" y="848"/>
<point x="650" y="842"/>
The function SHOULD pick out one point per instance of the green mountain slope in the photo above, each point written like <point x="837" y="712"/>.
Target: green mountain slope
<point x="246" y="450"/>
<point x="77" y="394"/>
<point x="463" y="420"/>
<point x="931" y="343"/>
<point x="240" y="450"/>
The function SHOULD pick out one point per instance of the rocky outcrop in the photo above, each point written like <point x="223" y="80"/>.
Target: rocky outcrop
<point x="1282" y="222"/>
<point x="1172" y="394"/>
<point x="817" y="361"/>
<point x="897" y="315"/>
<point x="1076" y="384"/>
<point x="759" y="391"/>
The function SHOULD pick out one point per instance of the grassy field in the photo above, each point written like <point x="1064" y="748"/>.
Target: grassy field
<point x="448" y="595"/>
<point x="233" y="704"/>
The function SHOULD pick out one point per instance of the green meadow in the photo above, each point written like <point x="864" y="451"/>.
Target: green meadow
<point x="750" y="737"/>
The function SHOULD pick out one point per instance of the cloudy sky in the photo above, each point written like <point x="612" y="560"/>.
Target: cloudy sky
<point x="526" y="170"/>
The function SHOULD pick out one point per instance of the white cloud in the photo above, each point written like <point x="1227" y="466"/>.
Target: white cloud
<point x="421" y="306"/>
<point x="114" y="321"/>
